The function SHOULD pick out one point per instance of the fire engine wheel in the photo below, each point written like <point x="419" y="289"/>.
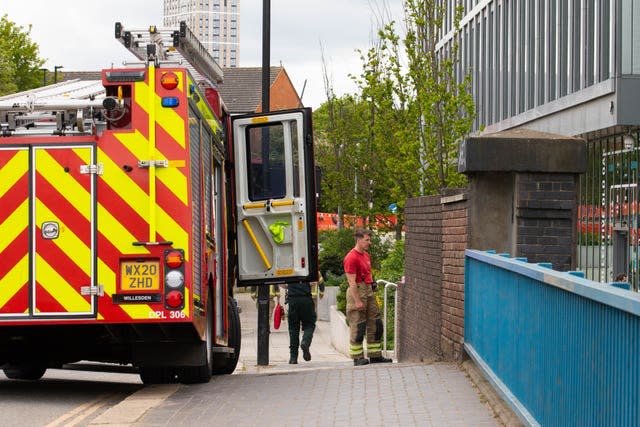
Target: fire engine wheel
<point x="202" y="373"/>
<point x="24" y="371"/>
<point x="223" y="363"/>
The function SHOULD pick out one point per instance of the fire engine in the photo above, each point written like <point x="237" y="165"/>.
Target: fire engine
<point x="131" y="207"/>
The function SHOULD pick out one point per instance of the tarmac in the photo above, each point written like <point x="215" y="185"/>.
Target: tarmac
<point x="326" y="391"/>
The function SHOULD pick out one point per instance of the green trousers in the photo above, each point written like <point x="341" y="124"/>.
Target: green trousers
<point x="301" y="313"/>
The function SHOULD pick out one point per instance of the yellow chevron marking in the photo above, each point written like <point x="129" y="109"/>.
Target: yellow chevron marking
<point x="116" y="233"/>
<point x="59" y="288"/>
<point x="173" y="178"/>
<point x="14" y="225"/>
<point x="68" y="242"/>
<point x="84" y="153"/>
<point x="171" y="230"/>
<point x="138" y="200"/>
<point x="13" y="171"/>
<point x="175" y="181"/>
<point x="120" y="182"/>
<point x="108" y="279"/>
<point x="14" y="280"/>
<point x="168" y="119"/>
<point x="63" y="182"/>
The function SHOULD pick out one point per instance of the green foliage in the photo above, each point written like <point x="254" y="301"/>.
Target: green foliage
<point x="19" y="58"/>
<point x="392" y="267"/>
<point x="398" y="137"/>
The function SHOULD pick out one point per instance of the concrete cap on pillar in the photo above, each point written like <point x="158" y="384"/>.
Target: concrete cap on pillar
<point x="522" y="150"/>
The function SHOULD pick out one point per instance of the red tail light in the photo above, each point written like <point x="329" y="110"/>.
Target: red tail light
<point x="303" y="262"/>
<point x="174" y="259"/>
<point x="174" y="299"/>
<point x="169" y="81"/>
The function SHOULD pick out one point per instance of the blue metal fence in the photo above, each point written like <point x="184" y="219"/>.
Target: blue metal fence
<point x="562" y="350"/>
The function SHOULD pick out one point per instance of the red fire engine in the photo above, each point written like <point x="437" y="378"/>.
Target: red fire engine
<point x="130" y="208"/>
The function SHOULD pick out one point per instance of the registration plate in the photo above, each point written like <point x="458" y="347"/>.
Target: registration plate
<point x="139" y="275"/>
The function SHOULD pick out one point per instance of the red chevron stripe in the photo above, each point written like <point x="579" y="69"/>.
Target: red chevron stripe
<point x="69" y="160"/>
<point x="47" y="303"/>
<point x="14" y="197"/>
<point x="19" y="302"/>
<point x="7" y="155"/>
<point x="14" y="252"/>
<point x="56" y="257"/>
<point x="63" y="209"/>
<point x="168" y="146"/>
<point x="142" y="118"/>
<point x="122" y="157"/>
<point x="123" y="213"/>
<point x="172" y="205"/>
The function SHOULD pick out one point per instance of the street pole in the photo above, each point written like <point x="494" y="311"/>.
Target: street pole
<point x="55" y="72"/>
<point x="263" y="290"/>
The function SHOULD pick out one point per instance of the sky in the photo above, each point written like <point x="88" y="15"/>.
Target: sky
<point x="78" y="35"/>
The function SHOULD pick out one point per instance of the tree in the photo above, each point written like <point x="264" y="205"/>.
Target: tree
<point x="410" y="115"/>
<point x="445" y="106"/>
<point x="19" y="58"/>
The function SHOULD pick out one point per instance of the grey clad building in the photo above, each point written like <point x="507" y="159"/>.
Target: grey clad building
<point x="215" y="22"/>
<point x="570" y="67"/>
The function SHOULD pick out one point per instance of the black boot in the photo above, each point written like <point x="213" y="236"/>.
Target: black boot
<point x="380" y="359"/>
<point x="305" y="351"/>
<point x="360" y="362"/>
<point x="293" y="360"/>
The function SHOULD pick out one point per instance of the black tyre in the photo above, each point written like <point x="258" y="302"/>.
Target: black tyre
<point x="202" y="373"/>
<point x="30" y="372"/>
<point x="158" y="375"/>
<point x="225" y="363"/>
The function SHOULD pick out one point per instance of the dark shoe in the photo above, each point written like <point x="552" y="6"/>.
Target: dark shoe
<point x="305" y="351"/>
<point x="293" y="361"/>
<point x="360" y="362"/>
<point x="380" y="359"/>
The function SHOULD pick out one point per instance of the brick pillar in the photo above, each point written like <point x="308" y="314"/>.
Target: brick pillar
<point x="523" y="194"/>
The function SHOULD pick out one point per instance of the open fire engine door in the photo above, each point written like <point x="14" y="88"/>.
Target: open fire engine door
<point x="275" y="198"/>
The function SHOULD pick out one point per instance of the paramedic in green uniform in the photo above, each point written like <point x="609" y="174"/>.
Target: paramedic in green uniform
<point x="301" y="313"/>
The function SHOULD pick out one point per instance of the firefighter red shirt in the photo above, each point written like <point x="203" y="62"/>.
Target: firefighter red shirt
<point x="359" y="263"/>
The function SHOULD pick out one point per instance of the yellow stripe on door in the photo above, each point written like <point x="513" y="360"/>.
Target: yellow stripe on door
<point x="14" y="280"/>
<point x="14" y="225"/>
<point x="13" y="171"/>
<point x="67" y="241"/>
<point x="59" y="288"/>
<point x="63" y="182"/>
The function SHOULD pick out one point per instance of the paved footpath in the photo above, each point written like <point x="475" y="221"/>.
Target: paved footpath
<point x="327" y="391"/>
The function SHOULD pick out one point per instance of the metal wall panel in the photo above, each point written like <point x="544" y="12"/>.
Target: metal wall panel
<point x="562" y="350"/>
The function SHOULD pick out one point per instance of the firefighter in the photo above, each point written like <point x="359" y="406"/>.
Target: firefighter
<point x="362" y="308"/>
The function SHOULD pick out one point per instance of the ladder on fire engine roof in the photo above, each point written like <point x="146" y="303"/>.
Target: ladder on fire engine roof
<point x="170" y="46"/>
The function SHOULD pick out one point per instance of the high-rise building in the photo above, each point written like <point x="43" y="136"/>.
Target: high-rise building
<point x="215" y="22"/>
<point x="569" y="67"/>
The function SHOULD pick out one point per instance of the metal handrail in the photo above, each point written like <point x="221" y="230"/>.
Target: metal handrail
<point x="395" y="315"/>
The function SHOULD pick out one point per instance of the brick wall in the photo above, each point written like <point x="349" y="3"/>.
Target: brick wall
<point x="545" y="212"/>
<point x="431" y="301"/>
<point x="420" y="297"/>
<point x="454" y="242"/>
